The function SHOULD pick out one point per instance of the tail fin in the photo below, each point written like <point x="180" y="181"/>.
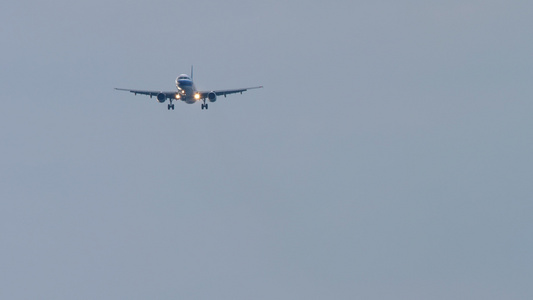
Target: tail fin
<point x="191" y="73"/>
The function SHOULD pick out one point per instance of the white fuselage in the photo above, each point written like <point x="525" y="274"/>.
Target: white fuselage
<point x="186" y="89"/>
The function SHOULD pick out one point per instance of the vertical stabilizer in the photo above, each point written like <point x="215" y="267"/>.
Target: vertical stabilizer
<point x="191" y="73"/>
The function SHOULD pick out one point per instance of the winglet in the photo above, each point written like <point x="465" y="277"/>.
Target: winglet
<point x="191" y="73"/>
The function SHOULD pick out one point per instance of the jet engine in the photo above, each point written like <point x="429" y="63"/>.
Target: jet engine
<point x="212" y="97"/>
<point x="161" y="97"/>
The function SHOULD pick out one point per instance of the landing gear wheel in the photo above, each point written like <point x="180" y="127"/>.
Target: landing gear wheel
<point x="206" y="106"/>
<point x="168" y="107"/>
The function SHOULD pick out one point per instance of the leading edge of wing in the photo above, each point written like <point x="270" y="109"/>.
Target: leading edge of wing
<point x="232" y="91"/>
<point x="149" y="93"/>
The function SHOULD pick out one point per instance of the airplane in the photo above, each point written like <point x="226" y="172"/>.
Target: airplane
<point x="187" y="92"/>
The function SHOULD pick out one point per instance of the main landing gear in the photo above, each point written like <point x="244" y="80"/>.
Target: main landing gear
<point x="171" y="106"/>
<point x="204" y="105"/>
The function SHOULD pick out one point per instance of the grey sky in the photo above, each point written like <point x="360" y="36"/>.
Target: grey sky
<point x="387" y="157"/>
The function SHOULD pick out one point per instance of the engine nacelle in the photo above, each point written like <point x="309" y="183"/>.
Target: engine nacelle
<point x="161" y="97"/>
<point x="212" y="97"/>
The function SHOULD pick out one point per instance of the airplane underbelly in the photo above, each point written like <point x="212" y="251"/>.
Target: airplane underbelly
<point x="189" y="95"/>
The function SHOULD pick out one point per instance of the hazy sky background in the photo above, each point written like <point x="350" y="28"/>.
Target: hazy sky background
<point x="387" y="157"/>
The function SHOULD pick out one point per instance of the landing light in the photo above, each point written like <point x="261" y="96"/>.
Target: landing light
<point x="196" y="96"/>
<point x="177" y="96"/>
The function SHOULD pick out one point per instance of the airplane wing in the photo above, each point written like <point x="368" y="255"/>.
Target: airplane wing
<point x="168" y="95"/>
<point x="204" y="94"/>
